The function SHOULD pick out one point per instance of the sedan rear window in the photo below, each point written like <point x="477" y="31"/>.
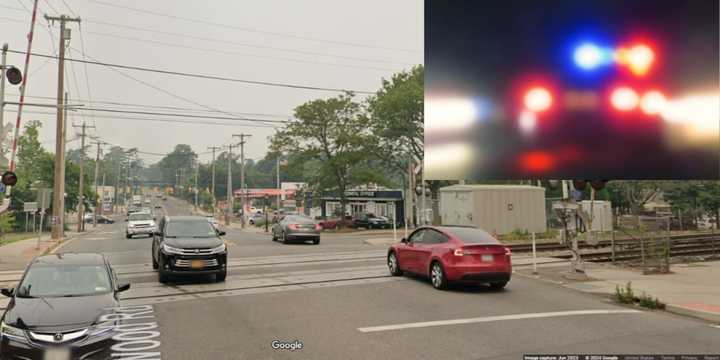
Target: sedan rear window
<point x="472" y="235"/>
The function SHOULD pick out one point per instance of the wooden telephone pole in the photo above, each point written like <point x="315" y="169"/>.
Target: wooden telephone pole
<point x="59" y="178"/>
<point x="242" y="176"/>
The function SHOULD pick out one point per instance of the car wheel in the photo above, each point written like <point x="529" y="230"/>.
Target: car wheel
<point x="394" y="265"/>
<point x="128" y="236"/>
<point x="498" y="285"/>
<point x="316" y="240"/>
<point x="283" y="238"/>
<point x="219" y="277"/>
<point x="437" y="276"/>
<point x="162" y="276"/>
<point x="274" y="238"/>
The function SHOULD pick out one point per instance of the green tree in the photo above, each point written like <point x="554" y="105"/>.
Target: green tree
<point x="334" y="133"/>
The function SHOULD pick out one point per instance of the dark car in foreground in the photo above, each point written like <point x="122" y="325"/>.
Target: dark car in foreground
<point x="371" y="221"/>
<point x="448" y="254"/>
<point x="56" y="310"/>
<point x="188" y="245"/>
<point x="296" y="228"/>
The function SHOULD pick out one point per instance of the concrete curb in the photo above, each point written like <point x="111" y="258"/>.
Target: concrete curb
<point x="696" y="313"/>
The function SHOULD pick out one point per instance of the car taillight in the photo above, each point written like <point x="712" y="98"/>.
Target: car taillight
<point x="318" y="227"/>
<point x="461" y="252"/>
<point x="294" y="226"/>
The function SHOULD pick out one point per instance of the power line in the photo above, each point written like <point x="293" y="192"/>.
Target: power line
<point x="183" y="115"/>
<point x="78" y="100"/>
<point x="200" y="76"/>
<point x="208" y="39"/>
<point x="234" y="53"/>
<point x="161" y="120"/>
<point x="247" y="29"/>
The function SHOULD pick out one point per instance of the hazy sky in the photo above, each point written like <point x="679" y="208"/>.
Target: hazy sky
<point x="390" y="32"/>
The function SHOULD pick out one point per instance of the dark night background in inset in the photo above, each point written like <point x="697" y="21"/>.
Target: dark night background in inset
<point x="485" y="48"/>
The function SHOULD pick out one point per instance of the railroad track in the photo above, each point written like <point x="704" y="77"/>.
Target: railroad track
<point x="620" y="243"/>
<point x="633" y="251"/>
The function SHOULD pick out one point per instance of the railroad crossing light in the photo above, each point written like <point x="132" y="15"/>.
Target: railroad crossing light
<point x="598" y="185"/>
<point x="9" y="178"/>
<point x="14" y="75"/>
<point x="579" y="185"/>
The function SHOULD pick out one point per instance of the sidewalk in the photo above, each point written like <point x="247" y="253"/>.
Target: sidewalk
<point x="691" y="289"/>
<point x="17" y="254"/>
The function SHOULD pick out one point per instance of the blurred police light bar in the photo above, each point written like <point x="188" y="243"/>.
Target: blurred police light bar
<point x="653" y="102"/>
<point x="580" y="100"/>
<point x="589" y="56"/>
<point x="624" y="99"/>
<point x="638" y="58"/>
<point x="694" y="120"/>
<point x="450" y="161"/>
<point x="538" y="99"/>
<point x="450" y="114"/>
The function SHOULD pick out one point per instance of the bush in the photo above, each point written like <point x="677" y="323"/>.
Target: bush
<point x="627" y="296"/>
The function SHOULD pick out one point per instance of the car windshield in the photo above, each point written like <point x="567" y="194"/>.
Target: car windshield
<point x="140" y="217"/>
<point x="472" y="235"/>
<point x="64" y="281"/>
<point x="190" y="228"/>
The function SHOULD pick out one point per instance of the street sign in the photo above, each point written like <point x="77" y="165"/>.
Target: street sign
<point x="43" y="198"/>
<point x="30" y="207"/>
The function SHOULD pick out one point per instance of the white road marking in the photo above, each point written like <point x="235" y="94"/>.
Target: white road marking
<point x="494" y="318"/>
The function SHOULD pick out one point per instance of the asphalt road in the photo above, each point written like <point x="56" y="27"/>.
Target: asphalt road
<point x="336" y="298"/>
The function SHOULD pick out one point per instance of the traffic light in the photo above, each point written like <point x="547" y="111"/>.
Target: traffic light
<point x="9" y="178"/>
<point x="14" y="75"/>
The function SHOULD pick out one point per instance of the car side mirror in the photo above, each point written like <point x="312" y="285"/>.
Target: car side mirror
<point x="123" y="286"/>
<point x="403" y="240"/>
<point x="8" y="291"/>
<point x="154" y="218"/>
<point x="221" y="233"/>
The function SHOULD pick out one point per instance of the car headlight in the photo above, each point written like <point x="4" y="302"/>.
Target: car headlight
<point x="11" y="332"/>
<point x="171" y="250"/>
<point x="218" y="249"/>
<point x="103" y="329"/>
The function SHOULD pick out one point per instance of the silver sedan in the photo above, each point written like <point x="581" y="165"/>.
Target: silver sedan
<point x="296" y="227"/>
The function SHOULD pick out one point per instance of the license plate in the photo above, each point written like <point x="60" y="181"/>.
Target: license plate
<point x="196" y="264"/>
<point x="486" y="258"/>
<point x="59" y="353"/>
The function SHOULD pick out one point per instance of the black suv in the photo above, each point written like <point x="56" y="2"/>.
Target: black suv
<point x="185" y="245"/>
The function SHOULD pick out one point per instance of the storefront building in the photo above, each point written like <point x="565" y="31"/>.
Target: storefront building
<point x="385" y="202"/>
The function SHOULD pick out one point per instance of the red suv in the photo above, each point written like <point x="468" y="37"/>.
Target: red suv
<point x="452" y="254"/>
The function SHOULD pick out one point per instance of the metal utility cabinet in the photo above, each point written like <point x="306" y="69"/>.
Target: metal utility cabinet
<point x="497" y="209"/>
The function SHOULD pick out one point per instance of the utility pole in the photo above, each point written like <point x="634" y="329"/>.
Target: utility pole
<point x="197" y="169"/>
<point x="242" y="175"/>
<point x="102" y="200"/>
<point x="229" y="202"/>
<point x="81" y="195"/>
<point x="212" y="188"/>
<point x="59" y="179"/>
<point x="277" y="182"/>
<point x="61" y="219"/>
<point x="95" y="182"/>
